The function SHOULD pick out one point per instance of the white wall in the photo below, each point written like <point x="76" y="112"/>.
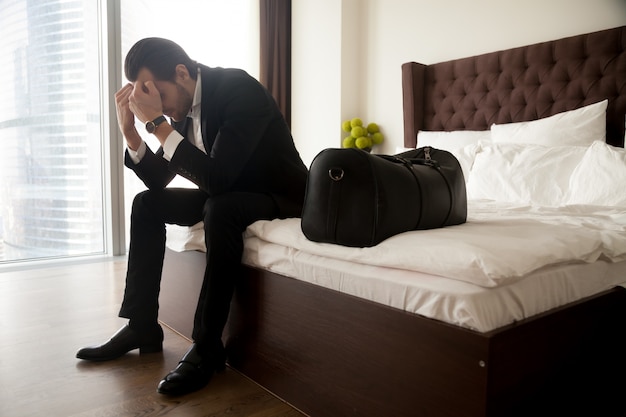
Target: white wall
<point x="347" y="53"/>
<point x="316" y="74"/>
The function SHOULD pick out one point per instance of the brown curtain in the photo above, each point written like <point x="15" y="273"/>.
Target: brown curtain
<point x="275" y="62"/>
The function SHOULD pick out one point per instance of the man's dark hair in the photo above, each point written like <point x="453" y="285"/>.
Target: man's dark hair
<point x="160" y="56"/>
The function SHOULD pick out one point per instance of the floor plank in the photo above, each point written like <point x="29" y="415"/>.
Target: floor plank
<point x="47" y="314"/>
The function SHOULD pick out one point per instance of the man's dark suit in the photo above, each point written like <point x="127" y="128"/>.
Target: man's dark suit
<point x="251" y="171"/>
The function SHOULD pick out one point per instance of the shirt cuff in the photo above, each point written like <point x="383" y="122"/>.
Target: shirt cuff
<point x="137" y="155"/>
<point x="171" y="143"/>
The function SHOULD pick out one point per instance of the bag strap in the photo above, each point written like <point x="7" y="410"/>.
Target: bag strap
<point x="427" y="161"/>
<point x="451" y="196"/>
<point x="427" y="150"/>
<point x="336" y="176"/>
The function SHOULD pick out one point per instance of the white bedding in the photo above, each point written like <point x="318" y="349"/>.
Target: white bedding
<point x="497" y="246"/>
<point x="451" y="301"/>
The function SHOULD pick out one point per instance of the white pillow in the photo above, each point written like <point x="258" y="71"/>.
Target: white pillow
<point x="528" y="174"/>
<point x="600" y="178"/>
<point x="580" y="127"/>
<point x="463" y="144"/>
<point x="450" y="141"/>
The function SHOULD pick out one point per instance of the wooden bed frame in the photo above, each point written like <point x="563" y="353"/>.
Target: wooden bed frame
<point x="332" y="354"/>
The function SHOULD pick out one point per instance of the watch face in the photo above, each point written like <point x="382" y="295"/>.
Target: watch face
<point x="152" y="125"/>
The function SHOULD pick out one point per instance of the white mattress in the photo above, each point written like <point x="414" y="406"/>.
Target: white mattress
<point x="449" y="300"/>
<point x="505" y="264"/>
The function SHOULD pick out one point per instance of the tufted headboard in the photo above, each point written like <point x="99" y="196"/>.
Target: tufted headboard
<point x="519" y="84"/>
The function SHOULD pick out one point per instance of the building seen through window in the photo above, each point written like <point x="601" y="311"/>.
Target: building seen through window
<point x="51" y="191"/>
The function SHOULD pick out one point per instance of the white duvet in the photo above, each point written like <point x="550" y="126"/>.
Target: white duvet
<point x="500" y="243"/>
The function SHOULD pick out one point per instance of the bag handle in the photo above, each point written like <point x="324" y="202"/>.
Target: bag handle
<point x="409" y="161"/>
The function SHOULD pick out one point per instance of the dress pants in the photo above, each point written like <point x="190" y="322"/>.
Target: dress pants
<point x="225" y="219"/>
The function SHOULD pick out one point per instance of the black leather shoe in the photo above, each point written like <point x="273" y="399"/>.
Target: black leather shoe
<point x="122" y="342"/>
<point x="194" y="371"/>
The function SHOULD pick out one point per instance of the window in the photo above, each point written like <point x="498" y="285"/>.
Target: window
<point x="51" y="194"/>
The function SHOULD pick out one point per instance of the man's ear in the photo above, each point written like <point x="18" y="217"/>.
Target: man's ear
<point x="181" y="72"/>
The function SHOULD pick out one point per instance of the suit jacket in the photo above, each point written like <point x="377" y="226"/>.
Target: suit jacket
<point x="248" y="143"/>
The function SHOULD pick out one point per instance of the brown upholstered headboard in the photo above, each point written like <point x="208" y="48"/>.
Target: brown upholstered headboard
<point x="519" y="84"/>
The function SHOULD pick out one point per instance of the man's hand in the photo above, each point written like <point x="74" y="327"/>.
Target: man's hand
<point x="126" y="118"/>
<point x="145" y="101"/>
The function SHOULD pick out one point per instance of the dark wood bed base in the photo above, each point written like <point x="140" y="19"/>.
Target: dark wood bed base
<point x="332" y="354"/>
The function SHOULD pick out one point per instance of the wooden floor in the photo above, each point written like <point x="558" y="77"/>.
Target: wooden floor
<point x="47" y="314"/>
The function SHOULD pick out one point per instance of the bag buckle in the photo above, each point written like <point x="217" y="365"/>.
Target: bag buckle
<point x="335" y="174"/>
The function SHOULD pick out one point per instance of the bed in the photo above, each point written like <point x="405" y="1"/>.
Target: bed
<point x="340" y="331"/>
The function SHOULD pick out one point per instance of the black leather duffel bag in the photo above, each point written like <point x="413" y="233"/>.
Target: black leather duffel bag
<point x="357" y="199"/>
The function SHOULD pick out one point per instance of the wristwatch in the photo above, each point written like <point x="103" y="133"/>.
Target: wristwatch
<point x="152" y="125"/>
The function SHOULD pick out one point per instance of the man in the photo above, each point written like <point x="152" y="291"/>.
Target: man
<point x="229" y="138"/>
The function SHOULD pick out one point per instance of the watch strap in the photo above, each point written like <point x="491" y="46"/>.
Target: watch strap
<point x="153" y="124"/>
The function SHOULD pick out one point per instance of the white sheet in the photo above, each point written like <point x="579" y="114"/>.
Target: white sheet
<point x="498" y="245"/>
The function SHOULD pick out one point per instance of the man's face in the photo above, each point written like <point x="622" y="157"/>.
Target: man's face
<point x="175" y="98"/>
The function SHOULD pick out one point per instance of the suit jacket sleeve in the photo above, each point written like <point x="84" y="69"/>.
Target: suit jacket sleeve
<point x="152" y="169"/>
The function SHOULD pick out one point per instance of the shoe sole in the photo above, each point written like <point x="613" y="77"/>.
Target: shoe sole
<point x="142" y="350"/>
